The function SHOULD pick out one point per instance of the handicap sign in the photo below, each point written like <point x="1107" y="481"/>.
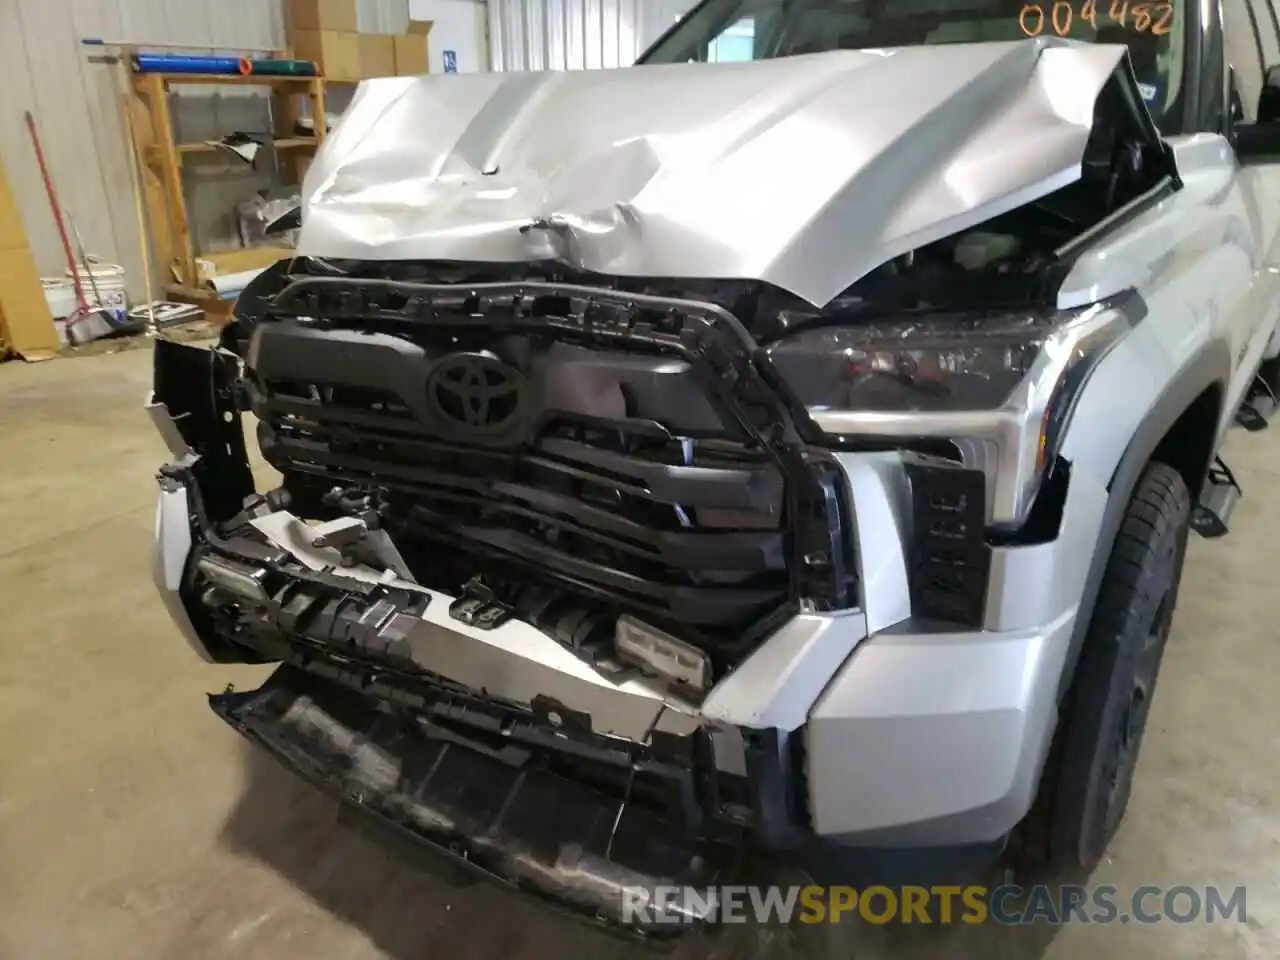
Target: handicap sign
<point x="451" y="61"/>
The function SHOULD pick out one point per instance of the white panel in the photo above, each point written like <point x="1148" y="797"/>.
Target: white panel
<point x="368" y="16"/>
<point x="56" y="94"/>
<point x="460" y="26"/>
<point x="111" y="230"/>
<point x="144" y="21"/>
<point x="19" y="161"/>
<point x="395" y="16"/>
<point x="382" y="16"/>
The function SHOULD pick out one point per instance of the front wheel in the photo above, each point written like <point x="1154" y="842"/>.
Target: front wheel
<point x="1086" y="788"/>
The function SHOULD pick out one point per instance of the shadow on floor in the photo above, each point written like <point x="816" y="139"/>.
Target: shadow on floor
<point x="411" y="914"/>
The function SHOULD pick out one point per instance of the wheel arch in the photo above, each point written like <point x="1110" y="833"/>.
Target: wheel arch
<point x="1182" y="424"/>
<point x="1181" y="429"/>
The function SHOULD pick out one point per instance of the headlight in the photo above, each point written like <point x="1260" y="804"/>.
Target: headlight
<point x="927" y="365"/>
<point x="999" y="387"/>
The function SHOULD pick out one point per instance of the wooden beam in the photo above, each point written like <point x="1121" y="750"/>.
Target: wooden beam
<point x="236" y="261"/>
<point x="169" y="169"/>
<point x="233" y="79"/>
<point x="144" y="141"/>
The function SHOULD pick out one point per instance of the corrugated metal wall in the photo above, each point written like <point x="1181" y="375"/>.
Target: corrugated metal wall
<point x="576" y="34"/>
<point x="382" y="16"/>
<point x="43" y="68"/>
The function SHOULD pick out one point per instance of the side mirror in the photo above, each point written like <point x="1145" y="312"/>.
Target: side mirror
<point x="1259" y="142"/>
<point x="1269" y="98"/>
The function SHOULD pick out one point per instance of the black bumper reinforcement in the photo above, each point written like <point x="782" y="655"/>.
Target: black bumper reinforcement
<point x="496" y="814"/>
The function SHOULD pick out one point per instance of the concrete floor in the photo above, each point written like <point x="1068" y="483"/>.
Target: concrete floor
<point x="133" y="824"/>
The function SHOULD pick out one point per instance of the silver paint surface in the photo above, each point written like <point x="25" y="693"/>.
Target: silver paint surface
<point x="805" y="172"/>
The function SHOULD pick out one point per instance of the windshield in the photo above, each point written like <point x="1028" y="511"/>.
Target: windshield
<point x="721" y="31"/>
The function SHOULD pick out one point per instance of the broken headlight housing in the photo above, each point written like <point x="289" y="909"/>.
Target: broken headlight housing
<point x="926" y="365"/>
<point x="998" y="387"/>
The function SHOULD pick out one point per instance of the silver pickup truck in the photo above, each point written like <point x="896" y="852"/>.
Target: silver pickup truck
<point x="786" y="445"/>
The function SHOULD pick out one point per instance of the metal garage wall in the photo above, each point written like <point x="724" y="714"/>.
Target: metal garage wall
<point x="575" y="34"/>
<point x="43" y="68"/>
<point x="382" y="16"/>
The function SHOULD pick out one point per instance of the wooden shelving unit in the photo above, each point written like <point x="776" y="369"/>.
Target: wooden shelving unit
<point x="162" y="160"/>
<point x="283" y="143"/>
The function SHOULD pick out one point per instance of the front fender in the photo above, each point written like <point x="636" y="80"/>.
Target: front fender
<point x="1153" y="415"/>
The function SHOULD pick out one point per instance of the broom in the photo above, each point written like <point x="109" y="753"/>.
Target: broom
<point x="83" y="311"/>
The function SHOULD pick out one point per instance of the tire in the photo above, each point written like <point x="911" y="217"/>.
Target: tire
<point x="1087" y="783"/>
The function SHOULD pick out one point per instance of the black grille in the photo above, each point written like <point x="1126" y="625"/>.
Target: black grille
<point x="708" y="525"/>
<point x="590" y="504"/>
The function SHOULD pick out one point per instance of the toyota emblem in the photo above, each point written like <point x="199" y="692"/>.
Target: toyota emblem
<point x="475" y="393"/>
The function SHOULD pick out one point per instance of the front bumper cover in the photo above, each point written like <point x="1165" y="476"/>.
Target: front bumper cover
<point x="489" y="812"/>
<point x="530" y="795"/>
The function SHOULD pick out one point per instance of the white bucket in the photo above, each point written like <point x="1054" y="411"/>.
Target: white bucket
<point x="109" y="280"/>
<point x="60" y="294"/>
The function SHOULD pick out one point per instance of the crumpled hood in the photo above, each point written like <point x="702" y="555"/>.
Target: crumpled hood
<point x="805" y="172"/>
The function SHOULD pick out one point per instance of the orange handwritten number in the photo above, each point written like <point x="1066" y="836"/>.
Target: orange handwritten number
<point x="1156" y="17"/>
<point x="1061" y="27"/>
<point x="1029" y="8"/>
<point x="1164" y="24"/>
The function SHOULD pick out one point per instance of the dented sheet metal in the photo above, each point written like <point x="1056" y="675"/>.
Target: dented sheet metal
<point x="805" y="172"/>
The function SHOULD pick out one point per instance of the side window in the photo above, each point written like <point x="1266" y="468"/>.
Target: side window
<point x="1244" y="52"/>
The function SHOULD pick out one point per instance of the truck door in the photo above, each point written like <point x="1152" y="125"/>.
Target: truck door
<point x="1251" y="33"/>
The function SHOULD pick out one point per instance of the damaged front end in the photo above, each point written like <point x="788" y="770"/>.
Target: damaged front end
<point x="561" y="561"/>
<point x="509" y="599"/>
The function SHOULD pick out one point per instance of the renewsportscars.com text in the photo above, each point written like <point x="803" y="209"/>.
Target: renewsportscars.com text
<point x="1007" y="905"/>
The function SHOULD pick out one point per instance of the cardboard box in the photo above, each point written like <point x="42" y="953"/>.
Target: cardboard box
<point x="13" y="232"/>
<point x="24" y="312"/>
<point x="337" y="55"/>
<point x="411" y="50"/>
<point x="377" y="55"/>
<point x="322" y="15"/>
<point x="411" y="54"/>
